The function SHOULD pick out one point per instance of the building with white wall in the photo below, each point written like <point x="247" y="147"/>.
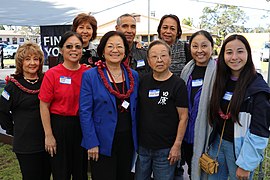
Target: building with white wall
<point x="17" y="37"/>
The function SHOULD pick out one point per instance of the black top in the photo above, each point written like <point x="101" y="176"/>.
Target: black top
<point x="158" y="117"/>
<point x="138" y="60"/>
<point x="89" y="57"/>
<point x="229" y="127"/>
<point x="124" y="116"/>
<point x="197" y="78"/>
<point x="21" y="110"/>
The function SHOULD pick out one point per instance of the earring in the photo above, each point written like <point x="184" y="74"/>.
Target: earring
<point x="102" y="56"/>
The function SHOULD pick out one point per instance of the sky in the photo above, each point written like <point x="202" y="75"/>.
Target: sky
<point x="106" y="10"/>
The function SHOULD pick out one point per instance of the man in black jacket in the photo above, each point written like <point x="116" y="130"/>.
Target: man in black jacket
<point x="137" y="59"/>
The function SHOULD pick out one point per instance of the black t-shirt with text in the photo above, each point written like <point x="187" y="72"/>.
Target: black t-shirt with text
<point x="158" y="116"/>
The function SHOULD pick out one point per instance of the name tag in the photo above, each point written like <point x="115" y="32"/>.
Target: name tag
<point x="125" y="104"/>
<point x="153" y="93"/>
<point x="227" y="96"/>
<point x="197" y="82"/>
<point x="65" y="80"/>
<point x="5" y="95"/>
<point x="140" y="63"/>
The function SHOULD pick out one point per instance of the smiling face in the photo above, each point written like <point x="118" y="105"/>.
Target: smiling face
<point x="168" y="30"/>
<point x="85" y="30"/>
<point x="72" y="50"/>
<point x="235" y="56"/>
<point x="128" y="28"/>
<point x="159" y="59"/>
<point x="201" y="50"/>
<point x="30" y="65"/>
<point x="114" y="50"/>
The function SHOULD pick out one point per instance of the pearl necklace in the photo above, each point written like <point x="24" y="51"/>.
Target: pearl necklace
<point x="31" y="82"/>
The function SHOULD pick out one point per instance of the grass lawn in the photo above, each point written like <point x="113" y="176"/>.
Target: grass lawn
<point x="9" y="167"/>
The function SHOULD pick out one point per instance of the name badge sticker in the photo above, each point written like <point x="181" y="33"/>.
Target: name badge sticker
<point x="5" y="95"/>
<point x="197" y="82"/>
<point x="140" y="63"/>
<point x="153" y="93"/>
<point x="125" y="104"/>
<point x="227" y="96"/>
<point x="65" y="80"/>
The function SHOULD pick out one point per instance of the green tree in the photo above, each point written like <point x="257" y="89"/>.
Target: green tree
<point x="223" y="19"/>
<point x="2" y="27"/>
<point x="188" y="21"/>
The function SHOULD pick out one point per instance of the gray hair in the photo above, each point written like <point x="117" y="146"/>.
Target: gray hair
<point x="159" y="42"/>
<point x="118" y="20"/>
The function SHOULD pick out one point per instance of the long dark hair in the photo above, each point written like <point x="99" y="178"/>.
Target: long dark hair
<point x="223" y="75"/>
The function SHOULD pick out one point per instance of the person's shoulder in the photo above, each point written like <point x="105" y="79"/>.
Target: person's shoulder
<point x="258" y="85"/>
<point x="92" y="71"/>
<point x="11" y="82"/>
<point x="84" y="67"/>
<point x="177" y="79"/>
<point x="138" y="48"/>
<point x="55" y="68"/>
<point x="134" y="72"/>
<point x="146" y="77"/>
<point x="54" y="71"/>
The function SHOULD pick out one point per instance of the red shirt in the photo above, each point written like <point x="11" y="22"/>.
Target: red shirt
<point x="61" y="88"/>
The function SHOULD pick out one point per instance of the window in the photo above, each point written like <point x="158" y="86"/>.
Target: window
<point x="21" y="40"/>
<point x="14" y="40"/>
<point x="145" y="38"/>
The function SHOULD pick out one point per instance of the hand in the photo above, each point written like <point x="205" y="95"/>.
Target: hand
<point x="139" y="45"/>
<point x="242" y="174"/>
<point x="175" y="154"/>
<point x="93" y="153"/>
<point x="50" y="145"/>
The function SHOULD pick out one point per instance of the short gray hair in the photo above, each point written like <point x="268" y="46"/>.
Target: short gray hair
<point x="159" y="42"/>
<point x="118" y="20"/>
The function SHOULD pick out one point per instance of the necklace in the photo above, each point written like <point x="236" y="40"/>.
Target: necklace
<point x="122" y="109"/>
<point x="116" y="76"/>
<point x="119" y="95"/>
<point x="31" y="82"/>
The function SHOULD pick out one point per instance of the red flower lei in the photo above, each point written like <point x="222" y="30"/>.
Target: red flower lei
<point x="224" y="116"/>
<point x="101" y="65"/>
<point x="21" y="86"/>
<point x="227" y="115"/>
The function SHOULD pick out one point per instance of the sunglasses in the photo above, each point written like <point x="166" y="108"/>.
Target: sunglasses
<point x="70" y="46"/>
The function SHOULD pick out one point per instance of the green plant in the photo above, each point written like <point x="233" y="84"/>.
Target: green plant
<point x="9" y="166"/>
<point x="266" y="165"/>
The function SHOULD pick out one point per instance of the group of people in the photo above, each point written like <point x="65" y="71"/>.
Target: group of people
<point x="121" y="106"/>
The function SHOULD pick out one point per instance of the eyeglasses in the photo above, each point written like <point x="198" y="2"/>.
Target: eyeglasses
<point x="161" y="57"/>
<point x="70" y="46"/>
<point x="118" y="47"/>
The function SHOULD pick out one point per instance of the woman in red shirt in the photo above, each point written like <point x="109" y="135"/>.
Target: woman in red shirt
<point x="59" y="106"/>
